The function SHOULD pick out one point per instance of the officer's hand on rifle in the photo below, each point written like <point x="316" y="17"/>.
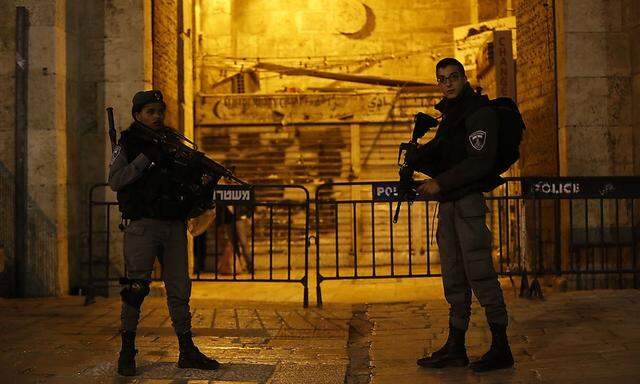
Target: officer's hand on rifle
<point x="412" y="156"/>
<point x="429" y="187"/>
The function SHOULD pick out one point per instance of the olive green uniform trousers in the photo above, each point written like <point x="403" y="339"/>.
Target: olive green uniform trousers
<point x="144" y="241"/>
<point x="464" y="242"/>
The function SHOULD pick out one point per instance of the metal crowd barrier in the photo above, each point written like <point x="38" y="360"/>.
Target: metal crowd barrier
<point x="584" y="228"/>
<point x="374" y="247"/>
<point x="259" y="235"/>
<point x="581" y="227"/>
<point x="578" y="226"/>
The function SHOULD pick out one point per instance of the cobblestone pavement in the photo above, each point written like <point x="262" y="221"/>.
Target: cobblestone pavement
<point x="575" y="337"/>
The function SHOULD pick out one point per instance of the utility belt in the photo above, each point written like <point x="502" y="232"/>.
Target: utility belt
<point x="162" y="209"/>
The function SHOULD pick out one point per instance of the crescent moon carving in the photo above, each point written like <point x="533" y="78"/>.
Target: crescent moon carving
<point x="216" y="112"/>
<point x="368" y="27"/>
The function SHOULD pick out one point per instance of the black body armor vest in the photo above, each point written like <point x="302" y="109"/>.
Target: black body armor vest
<point x="158" y="193"/>
<point x="452" y="130"/>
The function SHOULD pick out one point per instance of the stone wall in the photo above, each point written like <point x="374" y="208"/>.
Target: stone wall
<point x="631" y="23"/>
<point x="74" y="104"/>
<point x="595" y="87"/>
<point x="7" y="145"/>
<point x="165" y="56"/>
<point x="402" y="39"/>
<point x="127" y="69"/>
<point x="596" y="51"/>
<point x="46" y="273"/>
<point x="494" y="9"/>
<point x="86" y="148"/>
<point x="535" y="81"/>
<point x="76" y="68"/>
<point x="7" y="79"/>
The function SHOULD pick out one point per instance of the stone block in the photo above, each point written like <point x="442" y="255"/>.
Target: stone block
<point x="249" y="46"/>
<point x="43" y="13"/>
<point x="618" y="54"/>
<point x="619" y="101"/>
<point x="123" y="17"/>
<point x="630" y="13"/>
<point x="636" y="100"/>
<point x="42" y="98"/>
<point x="619" y="139"/>
<point x="93" y="11"/>
<point x="213" y="7"/>
<point x="72" y="60"/>
<point x="586" y="54"/>
<point x="219" y="44"/>
<point x="7" y="102"/>
<point x="587" y="15"/>
<point x="92" y="59"/>
<point x="216" y="24"/>
<point x="595" y="150"/>
<point x="634" y="47"/>
<point x="44" y="195"/>
<point x="123" y="59"/>
<point x="7" y="46"/>
<point x="87" y="112"/>
<point x="73" y="10"/>
<point x="284" y="4"/>
<point x="42" y="46"/>
<point x="636" y="151"/>
<point x="283" y="23"/>
<point x="624" y="169"/>
<point x="581" y="166"/>
<point x="311" y="22"/>
<point x="586" y="101"/>
<point x="7" y="151"/>
<point x="257" y="25"/>
<point x="613" y="13"/>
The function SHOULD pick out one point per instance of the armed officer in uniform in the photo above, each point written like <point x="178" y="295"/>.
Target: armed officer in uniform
<point x="460" y="161"/>
<point x="155" y="215"/>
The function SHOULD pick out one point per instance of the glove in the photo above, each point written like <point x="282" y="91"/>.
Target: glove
<point x="405" y="186"/>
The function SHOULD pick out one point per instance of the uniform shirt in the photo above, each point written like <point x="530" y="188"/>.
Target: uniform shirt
<point x="481" y="148"/>
<point x="462" y="155"/>
<point x="122" y="172"/>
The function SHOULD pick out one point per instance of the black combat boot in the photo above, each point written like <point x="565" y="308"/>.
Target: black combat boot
<point x="191" y="357"/>
<point x="499" y="355"/>
<point x="127" y="358"/>
<point x="452" y="354"/>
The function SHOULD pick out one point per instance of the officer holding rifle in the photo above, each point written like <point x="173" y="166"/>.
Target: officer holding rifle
<point x="156" y="197"/>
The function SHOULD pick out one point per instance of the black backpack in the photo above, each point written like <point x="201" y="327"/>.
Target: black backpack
<point x="510" y="130"/>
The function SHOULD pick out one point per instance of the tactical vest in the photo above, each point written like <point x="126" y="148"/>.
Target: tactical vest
<point x="452" y="132"/>
<point x="154" y="195"/>
<point x="453" y="137"/>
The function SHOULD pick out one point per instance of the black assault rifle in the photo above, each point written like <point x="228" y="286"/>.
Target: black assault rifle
<point x="406" y="187"/>
<point x="179" y="149"/>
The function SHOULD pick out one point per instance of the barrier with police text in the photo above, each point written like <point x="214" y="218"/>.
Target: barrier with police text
<point x="583" y="228"/>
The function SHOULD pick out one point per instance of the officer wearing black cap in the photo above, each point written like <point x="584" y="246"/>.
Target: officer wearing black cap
<point x="460" y="160"/>
<point x="155" y="216"/>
